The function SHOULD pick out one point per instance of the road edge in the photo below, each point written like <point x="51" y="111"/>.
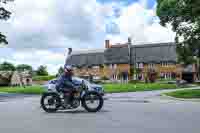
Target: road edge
<point x="180" y="99"/>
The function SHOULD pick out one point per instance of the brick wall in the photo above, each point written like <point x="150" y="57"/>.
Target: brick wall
<point x="117" y="69"/>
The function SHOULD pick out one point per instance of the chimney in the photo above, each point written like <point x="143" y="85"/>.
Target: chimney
<point x="107" y="43"/>
<point x="69" y="51"/>
<point x="129" y="40"/>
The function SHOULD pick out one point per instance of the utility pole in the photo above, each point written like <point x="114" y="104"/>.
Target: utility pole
<point x="130" y="54"/>
<point x="135" y="66"/>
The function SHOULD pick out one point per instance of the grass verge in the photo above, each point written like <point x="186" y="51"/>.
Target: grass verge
<point x="114" y="88"/>
<point x="187" y="94"/>
<point x="22" y="90"/>
<point x="109" y="88"/>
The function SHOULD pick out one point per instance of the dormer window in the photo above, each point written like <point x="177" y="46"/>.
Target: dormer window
<point x="113" y="66"/>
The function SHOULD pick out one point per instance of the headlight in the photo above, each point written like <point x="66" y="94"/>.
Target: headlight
<point x="98" y="89"/>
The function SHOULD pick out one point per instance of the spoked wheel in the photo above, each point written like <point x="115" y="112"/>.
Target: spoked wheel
<point x="92" y="101"/>
<point x="50" y="102"/>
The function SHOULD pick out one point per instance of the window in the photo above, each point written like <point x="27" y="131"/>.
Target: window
<point x="95" y="67"/>
<point x="115" y="66"/>
<point x="137" y="65"/>
<point x="165" y="64"/>
<point x="162" y="75"/>
<point x="141" y="65"/>
<point x="151" y="65"/>
<point x="110" y="66"/>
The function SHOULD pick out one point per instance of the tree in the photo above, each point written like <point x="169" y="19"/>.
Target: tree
<point x="60" y="71"/>
<point x="42" y="71"/>
<point x="6" y="66"/>
<point x="24" y="67"/>
<point x="184" y="16"/>
<point x="4" y="15"/>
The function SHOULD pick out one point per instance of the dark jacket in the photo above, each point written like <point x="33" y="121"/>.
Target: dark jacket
<point x="65" y="82"/>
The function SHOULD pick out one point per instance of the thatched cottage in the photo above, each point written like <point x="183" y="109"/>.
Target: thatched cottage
<point x="114" y="61"/>
<point x="15" y="78"/>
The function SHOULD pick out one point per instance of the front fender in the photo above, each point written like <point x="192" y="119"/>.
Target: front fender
<point x="86" y="92"/>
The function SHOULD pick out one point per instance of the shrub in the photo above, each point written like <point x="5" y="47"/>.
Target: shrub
<point x="135" y="81"/>
<point x="98" y="82"/>
<point x="152" y="76"/>
<point x="104" y="78"/>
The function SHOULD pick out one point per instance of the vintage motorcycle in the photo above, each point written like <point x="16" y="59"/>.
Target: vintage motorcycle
<point x="92" y="101"/>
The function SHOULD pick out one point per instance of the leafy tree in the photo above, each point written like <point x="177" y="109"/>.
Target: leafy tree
<point x="60" y="71"/>
<point x="6" y="66"/>
<point x="24" y="67"/>
<point x="184" y="16"/>
<point x="4" y="15"/>
<point x="42" y="71"/>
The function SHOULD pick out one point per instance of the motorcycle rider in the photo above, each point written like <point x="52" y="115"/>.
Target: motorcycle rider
<point x="65" y="84"/>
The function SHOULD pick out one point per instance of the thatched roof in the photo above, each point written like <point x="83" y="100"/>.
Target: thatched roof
<point x="116" y="55"/>
<point x="5" y="77"/>
<point x="155" y="53"/>
<point x="145" y="53"/>
<point x="86" y="59"/>
<point x="6" y="74"/>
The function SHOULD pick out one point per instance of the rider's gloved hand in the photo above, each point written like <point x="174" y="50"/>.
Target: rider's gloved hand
<point x="76" y="88"/>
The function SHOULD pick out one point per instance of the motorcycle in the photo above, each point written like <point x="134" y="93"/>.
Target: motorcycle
<point x="52" y="101"/>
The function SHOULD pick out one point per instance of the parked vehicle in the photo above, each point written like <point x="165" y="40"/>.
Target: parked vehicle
<point x="50" y="86"/>
<point x="53" y="100"/>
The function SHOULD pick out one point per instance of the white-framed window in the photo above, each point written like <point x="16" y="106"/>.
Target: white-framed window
<point x="141" y="65"/>
<point x="96" y="67"/>
<point x="165" y="64"/>
<point x="114" y="77"/>
<point x="161" y="75"/>
<point x="151" y="65"/>
<point x="165" y="75"/>
<point x="137" y="65"/>
<point x="111" y="66"/>
<point x="115" y="66"/>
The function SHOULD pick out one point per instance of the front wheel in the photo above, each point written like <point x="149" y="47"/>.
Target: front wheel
<point x="50" y="102"/>
<point x="92" y="101"/>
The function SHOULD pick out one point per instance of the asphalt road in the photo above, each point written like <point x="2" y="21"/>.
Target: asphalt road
<point x="143" y="112"/>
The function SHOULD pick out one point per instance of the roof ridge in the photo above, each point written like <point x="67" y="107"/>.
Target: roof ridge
<point x="154" y="44"/>
<point x="88" y="51"/>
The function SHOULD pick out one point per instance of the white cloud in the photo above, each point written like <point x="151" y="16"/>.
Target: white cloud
<point x="142" y="24"/>
<point x="37" y="28"/>
<point x="43" y="24"/>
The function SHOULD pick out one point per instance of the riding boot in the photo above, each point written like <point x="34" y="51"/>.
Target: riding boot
<point x="67" y="98"/>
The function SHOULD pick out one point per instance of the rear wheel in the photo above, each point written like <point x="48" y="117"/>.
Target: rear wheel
<point x="92" y="101"/>
<point x="50" y="102"/>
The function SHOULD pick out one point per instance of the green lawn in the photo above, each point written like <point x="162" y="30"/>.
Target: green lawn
<point x="22" y="90"/>
<point x="109" y="88"/>
<point x="112" y="88"/>
<point x="187" y="94"/>
<point x="43" y="78"/>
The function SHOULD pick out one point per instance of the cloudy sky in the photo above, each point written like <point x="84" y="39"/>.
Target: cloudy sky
<point x="40" y="31"/>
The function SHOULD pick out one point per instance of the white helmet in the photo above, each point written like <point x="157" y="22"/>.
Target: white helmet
<point x="68" y="67"/>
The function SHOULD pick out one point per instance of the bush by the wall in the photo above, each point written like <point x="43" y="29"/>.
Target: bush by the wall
<point x="104" y="78"/>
